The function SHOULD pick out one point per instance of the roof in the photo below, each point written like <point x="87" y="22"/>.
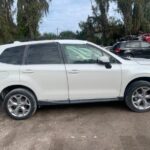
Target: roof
<point x="18" y="43"/>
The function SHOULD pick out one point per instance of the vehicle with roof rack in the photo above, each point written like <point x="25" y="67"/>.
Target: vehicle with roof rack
<point x="132" y="49"/>
<point x="68" y="72"/>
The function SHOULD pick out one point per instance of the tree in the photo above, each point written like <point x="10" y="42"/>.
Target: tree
<point x="146" y="11"/>
<point x="48" y="36"/>
<point x="136" y="15"/>
<point x="7" y="26"/>
<point x="125" y="8"/>
<point x="30" y="13"/>
<point x="88" y="31"/>
<point x="101" y="17"/>
<point x="67" y="35"/>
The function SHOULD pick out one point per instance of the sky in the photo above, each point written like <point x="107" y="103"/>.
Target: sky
<point x="66" y="15"/>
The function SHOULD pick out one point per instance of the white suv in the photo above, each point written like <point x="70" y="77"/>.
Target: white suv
<point x="68" y="71"/>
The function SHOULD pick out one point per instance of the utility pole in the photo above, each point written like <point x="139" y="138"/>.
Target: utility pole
<point x="57" y="31"/>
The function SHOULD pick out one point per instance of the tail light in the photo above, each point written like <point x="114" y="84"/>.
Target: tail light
<point x="117" y="50"/>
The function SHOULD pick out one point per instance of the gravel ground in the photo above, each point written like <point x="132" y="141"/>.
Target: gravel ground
<point x="99" y="126"/>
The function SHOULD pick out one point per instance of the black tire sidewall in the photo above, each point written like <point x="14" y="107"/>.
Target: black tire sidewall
<point x="129" y="92"/>
<point x="31" y="98"/>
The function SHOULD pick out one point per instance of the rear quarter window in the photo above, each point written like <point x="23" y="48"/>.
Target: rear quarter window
<point x="13" y="55"/>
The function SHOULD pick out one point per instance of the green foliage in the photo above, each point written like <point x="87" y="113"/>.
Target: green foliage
<point x="146" y="20"/>
<point x="29" y="15"/>
<point x="125" y="8"/>
<point x="7" y="26"/>
<point x="48" y="36"/>
<point x="67" y="35"/>
<point x="135" y="15"/>
<point x="88" y="31"/>
<point x="98" y="28"/>
<point x="101" y="17"/>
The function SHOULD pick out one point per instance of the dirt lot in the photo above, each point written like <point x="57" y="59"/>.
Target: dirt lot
<point x="102" y="126"/>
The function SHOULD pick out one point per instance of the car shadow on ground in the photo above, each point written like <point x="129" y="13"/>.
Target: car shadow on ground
<point x="117" y="105"/>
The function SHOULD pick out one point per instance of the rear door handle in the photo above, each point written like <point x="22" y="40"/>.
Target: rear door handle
<point x="74" y="71"/>
<point x="28" y="71"/>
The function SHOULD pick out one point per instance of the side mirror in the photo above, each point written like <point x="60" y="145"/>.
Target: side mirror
<point x="105" y="60"/>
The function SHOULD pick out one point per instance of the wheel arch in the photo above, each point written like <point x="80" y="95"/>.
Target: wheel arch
<point x="7" y="89"/>
<point x="135" y="80"/>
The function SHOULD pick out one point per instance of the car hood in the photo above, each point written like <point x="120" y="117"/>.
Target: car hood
<point x="141" y="61"/>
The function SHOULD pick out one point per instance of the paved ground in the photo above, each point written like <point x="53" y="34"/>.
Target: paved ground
<point x="102" y="126"/>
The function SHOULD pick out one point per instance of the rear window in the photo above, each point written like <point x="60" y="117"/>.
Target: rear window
<point x="12" y="55"/>
<point x="119" y="45"/>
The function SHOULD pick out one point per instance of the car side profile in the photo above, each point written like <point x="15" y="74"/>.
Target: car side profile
<point x="134" y="49"/>
<point x="68" y="71"/>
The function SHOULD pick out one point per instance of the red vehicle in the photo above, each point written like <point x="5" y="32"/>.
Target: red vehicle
<point x="146" y="37"/>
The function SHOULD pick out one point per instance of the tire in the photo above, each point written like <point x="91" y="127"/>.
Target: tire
<point x="134" y="98"/>
<point x="20" y="104"/>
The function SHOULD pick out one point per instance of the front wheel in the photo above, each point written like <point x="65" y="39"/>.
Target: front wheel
<point x="20" y="104"/>
<point x="137" y="96"/>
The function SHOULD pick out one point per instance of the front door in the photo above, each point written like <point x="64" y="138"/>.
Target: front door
<point x="87" y="79"/>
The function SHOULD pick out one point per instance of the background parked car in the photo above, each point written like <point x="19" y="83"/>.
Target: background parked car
<point x="146" y="37"/>
<point x="129" y="37"/>
<point x="137" y="49"/>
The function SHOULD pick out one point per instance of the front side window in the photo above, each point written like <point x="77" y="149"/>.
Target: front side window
<point x="145" y="45"/>
<point x="13" y="55"/>
<point x="43" y="54"/>
<point x="83" y="54"/>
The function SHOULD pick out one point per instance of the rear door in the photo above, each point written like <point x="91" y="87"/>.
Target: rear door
<point x="44" y="71"/>
<point x="11" y="61"/>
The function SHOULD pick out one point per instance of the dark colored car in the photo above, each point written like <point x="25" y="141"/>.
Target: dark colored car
<point x="136" y="49"/>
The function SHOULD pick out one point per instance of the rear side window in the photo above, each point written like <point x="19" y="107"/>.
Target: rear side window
<point x="13" y="55"/>
<point x="133" y="44"/>
<point x="43" y="54"/>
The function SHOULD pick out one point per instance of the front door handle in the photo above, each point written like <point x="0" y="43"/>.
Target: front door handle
<point x="28" y="71"/>
<point x="74" y="71"/>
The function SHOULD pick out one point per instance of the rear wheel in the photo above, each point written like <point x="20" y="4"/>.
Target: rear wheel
<point x="138" y="96"/>
<point x="20" y="104"/>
